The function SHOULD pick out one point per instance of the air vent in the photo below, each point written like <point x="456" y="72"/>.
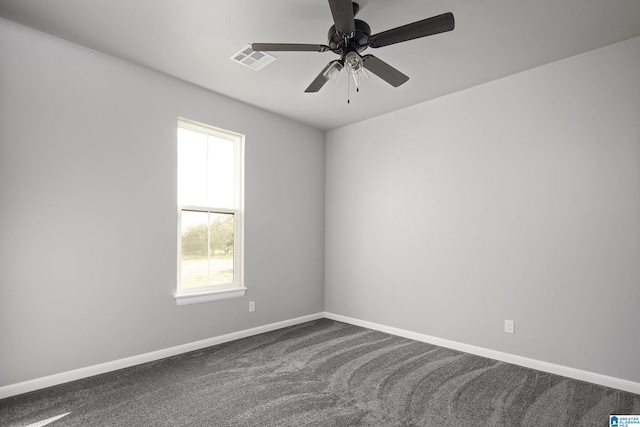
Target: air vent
<point x="252" y="59"/>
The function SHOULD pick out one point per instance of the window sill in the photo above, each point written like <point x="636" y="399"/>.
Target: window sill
<point x="195" y="298"/>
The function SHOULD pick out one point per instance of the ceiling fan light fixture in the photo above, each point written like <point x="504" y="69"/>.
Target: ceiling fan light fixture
<point x="355" y="67"/>
<point x="353" y="62"/>
<point x="333" y="72"/>
<point x="360" y="76"/>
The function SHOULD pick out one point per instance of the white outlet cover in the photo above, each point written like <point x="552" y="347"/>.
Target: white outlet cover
<point x="510" y="326"/>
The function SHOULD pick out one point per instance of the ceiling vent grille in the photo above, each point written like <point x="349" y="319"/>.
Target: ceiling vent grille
<point x="252" y="59"/>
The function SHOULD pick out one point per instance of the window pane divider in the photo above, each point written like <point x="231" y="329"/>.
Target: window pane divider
<point x="208" y="209"/>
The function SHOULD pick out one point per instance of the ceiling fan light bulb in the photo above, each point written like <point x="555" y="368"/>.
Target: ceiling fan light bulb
<point x="353" y="62"/>
<point x="361" y="74"/>
<point x="333" y="72"/>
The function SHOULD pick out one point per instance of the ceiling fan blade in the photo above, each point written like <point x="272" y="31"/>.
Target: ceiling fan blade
<point x="383" y="70"/>
<point x="342" y="11"/>
<point x="320" y="80"/>
<point x="288" y="47"/>
<point x="426" y="27"/>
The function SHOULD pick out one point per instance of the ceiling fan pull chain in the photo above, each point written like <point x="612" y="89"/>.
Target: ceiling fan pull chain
<point x="348" y="90"/>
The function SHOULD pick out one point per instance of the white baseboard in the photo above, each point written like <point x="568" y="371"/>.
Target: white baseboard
<point x="76" y="374"/>
<point x="607" y="381"/>
<point x="89" y="371"/>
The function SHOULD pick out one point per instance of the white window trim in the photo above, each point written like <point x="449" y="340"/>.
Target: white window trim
<point x="228" y="290"/>
<point x="195" y="298"/>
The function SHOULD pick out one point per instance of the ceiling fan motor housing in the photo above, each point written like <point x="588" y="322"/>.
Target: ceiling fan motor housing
<point x="357" y="42"/>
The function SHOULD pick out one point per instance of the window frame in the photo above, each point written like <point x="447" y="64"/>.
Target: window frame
<point x="236" y="289"/>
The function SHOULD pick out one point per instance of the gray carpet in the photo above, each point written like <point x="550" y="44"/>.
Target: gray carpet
<point x="322" y="373"/>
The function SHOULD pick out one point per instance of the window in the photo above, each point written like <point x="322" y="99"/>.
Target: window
<point x="210" y="201"/>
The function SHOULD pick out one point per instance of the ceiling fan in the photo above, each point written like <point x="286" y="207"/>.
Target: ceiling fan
<point x="349" y="36"/>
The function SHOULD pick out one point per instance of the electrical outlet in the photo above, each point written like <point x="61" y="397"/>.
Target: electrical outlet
<point x="510" y="326"/>
<point x="252" y="306"/>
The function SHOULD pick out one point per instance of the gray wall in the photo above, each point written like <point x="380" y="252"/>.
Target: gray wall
<point x="518" y="199"/>
<point x="88" y="210"/>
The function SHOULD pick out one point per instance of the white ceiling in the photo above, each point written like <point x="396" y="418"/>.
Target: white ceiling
<point x="193" y="40"/>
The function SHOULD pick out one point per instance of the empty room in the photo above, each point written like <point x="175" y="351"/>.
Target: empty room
<point x="319" y="213"/>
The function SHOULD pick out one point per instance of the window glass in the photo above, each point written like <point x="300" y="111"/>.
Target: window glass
<point x="207" y="249"/>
